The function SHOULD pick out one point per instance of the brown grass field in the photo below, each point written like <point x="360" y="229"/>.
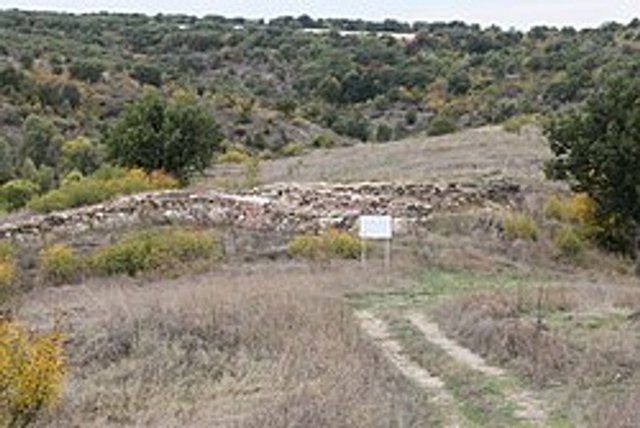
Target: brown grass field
<point x="531" y="338"/>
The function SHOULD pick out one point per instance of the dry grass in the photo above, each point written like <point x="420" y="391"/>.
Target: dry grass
<point x="270" y="346"/>
<point x="578" y="336"/>
<point x="467" y="155"/>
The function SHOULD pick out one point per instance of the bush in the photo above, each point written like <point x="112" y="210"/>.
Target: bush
<point x="342" y="244"/>
<point x="554" y="208"/>
<point x="515" y="124"/>
<point x="59" y="264"/>
<point x="7" y="269"/>
<point x="520" y="226"/>
<point x="16" y="193"/>
<point x="579" y="209"/>
<point x="233" y="155"/>
<point x="32" y="370"/>
<point x="95" y="189"/>
<point x="328" y="245"/>
<point x="441" y="125"/>
<point x="7" y="251"/>
<point x="156" y="250"/>
<point x="7" y="279"/>
<point x="323" y="141"/>
<point x="291" y="149"/>
<point x="384" y="133"/>
<point x="568" y="240"/>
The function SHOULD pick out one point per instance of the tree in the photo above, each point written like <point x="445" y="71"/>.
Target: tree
<point x="178" y="137"/>
<point x="88" y="71"/>
<point x="6" y="161"/>
<point x="598" y="151"/>
<point x="459" y="83"/>
<point x="15" y="194"/>
<point x="147" y="75"/>
<point x="41" y="141"/>
<point x="81" y="154"/>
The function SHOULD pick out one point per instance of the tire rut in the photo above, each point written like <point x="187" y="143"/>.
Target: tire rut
<point x="378" y="330"/>
<point x="529" y="408"/>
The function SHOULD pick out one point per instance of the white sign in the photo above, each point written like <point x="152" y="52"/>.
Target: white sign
<point x="375" y="227"/>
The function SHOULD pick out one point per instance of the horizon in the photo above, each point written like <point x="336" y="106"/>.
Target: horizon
<point x="523" y="16"/>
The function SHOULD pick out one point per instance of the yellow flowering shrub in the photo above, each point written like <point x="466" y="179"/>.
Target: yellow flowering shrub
<point x="32" y="371"/>
<point x="59" y="264"/>
<point x="520" y="226"/>
<point x="7" y="269"/>
<point x="101" y="186"/>
<point x="331" y="243"/>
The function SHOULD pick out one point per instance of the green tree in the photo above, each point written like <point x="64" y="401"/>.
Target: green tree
<point x="178" y="137"/>
<point x="459" y="83"/>
<point x="598" y="151"/>
<point x="147" y="75"/>
<point x="6" y="161"/>
<point x="88" y="71"/>
<point x="41" y="141"/>
<point x="16" y="193"/>
<point x="81" y="154"/>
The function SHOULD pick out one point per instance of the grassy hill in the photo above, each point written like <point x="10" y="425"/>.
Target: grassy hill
<point x="493" y="313"/>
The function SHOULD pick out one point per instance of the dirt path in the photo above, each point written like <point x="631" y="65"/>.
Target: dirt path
<point x="528" y="407"/>
<point x="378" y="330"/>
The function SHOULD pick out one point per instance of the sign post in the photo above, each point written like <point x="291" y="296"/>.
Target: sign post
<point x="376" y="227"/>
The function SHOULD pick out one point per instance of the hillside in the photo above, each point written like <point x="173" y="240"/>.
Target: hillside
<point x="244" y="297"/>
<point x="275" y="89"/>
<point x="477" y="323"/>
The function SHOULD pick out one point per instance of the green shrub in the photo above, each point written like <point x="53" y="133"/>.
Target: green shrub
<point x="7" y="251"/>
<point x="569" y="241"/>
<point x="291" y="149"/>
<point x="323" y="141"/>
<point x="328" y="245"/>
<point x="95" y="189"/>
<point x="233" y="155"/>
<point x="384" y="133"/>
<point x="520" y="226"/>
<point x="441" y="125"/>
<point x="554" y="208"/>
<point x="160" y="250"/>
<point x="515" y="124"/>
<point x="7" y="270"/>
<point x="578" y="210"/>
<point x="311" y="247"/>
<point x="59" y="264"/>
<point x="343" y="245"/>
<point x="16" y="193"/>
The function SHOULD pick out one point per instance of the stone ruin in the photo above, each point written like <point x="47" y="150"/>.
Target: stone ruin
<point x="280" y="208"/>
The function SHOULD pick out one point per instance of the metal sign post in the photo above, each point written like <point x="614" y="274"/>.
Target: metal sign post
<point x="376" y="227"/>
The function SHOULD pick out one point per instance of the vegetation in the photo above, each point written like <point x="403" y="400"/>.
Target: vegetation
<point x="176" y="137"/>
<point x="32" y="367"/>
<point x="59" y="264"/>
<point x="329" y="244"/>
<point x="162" y="250"/>
<point x="598" y="151"/>
<point x="520" y="226"/>
<point x="7" y="270"/>
<point x="358" y="85"/>
<point x="102" y="185"/>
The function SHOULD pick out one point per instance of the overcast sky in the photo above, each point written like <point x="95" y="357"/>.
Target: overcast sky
<point x="520" y="14"/>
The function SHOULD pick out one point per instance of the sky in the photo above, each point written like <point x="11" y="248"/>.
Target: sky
<point x="507" y="14"/>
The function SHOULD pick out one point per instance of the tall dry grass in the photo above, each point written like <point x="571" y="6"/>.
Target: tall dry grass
<point x="579" y="337"/>
<point x="272" y="347"/>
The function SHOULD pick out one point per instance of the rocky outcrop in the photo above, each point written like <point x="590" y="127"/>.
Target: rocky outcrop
<point x="285" y="208"/>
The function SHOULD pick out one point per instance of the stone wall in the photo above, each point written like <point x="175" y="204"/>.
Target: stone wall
<point x="280" y="208"/>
